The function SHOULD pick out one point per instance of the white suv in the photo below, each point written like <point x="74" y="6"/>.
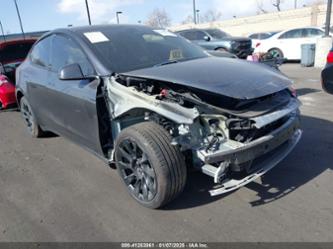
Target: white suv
<point x="287" y="44"/>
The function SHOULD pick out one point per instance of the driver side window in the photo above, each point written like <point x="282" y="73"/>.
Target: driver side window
<point x="296" y="33"/>
<point x="200" y="35"/>
<point x="66" y="52"/>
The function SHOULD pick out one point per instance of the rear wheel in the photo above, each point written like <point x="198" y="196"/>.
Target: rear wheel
<point x="29" y="118"/>
<point x="153" y="170"/>
<point x="276" y="53"/>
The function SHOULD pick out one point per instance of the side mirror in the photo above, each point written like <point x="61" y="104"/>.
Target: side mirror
<point x="206" y="38"/>
<point x="71" y="72"/>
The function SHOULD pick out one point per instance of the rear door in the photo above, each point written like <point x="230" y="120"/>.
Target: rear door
<point x="74" y="100"/>
<point x="35" y="75"/>
<point x="312" y="34"/>
<point x="290" y="43"/>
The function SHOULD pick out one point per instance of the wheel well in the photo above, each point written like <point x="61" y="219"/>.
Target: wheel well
<point x="221" y="48"/>
<point x="19" y="96"/>
<point x="275" y="49"/>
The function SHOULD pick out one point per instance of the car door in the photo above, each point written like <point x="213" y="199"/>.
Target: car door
<point x="199" y="38"/>
<point x="189" y="35"/>
<point x="74" y="100"/>
<point x="290" y="44"/>
<point x="36" y="76"/>
<point x="311" y="35"/>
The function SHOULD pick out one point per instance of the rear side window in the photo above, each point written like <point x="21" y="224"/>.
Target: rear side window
<point x="193" y="35"/>
<point x="40" y="55"/>
<point x="313" y="32"/>
<point x="263" y="36"/>
<point x="254" y="36"/>
<point x="190" y="35"/>
<point x="66" y="52"/>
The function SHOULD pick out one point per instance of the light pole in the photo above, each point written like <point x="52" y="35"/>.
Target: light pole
<point x="117" y="15"/>
<point x="328" y="18"/>
<point x="88" y="12"/>
<point x="19" y="17"/>
<point x="295" y="4"/>
<point x="194" y="13"/>
<point x="198" y="16"/>
<point x="3" y="33"/>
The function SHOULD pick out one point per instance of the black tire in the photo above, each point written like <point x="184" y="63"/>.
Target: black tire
<point x="30" y="119"/>
<point x="276" y="53"/>
<point x="152" y="169"/>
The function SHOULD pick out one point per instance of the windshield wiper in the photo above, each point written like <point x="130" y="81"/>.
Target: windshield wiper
<point x="166" y="63"/>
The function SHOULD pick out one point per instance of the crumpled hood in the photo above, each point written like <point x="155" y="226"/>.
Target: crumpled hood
<point x="230" y="77"/>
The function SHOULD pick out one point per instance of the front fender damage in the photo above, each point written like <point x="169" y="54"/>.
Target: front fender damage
<point x="220" y="142"/>
<point x="123" y="99"/>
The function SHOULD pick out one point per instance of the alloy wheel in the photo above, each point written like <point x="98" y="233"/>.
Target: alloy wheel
<point x="136" y="170"/>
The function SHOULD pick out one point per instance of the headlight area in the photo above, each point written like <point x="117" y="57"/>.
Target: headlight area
<point x="217" y="153"/>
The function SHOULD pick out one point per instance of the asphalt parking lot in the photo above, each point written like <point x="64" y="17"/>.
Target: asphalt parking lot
<point x="52" y="190"/>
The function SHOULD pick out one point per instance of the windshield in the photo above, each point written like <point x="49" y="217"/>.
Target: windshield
<point x="128" y="49"/>
<point x="14" y="53"/>
<point x="217" y="34"/>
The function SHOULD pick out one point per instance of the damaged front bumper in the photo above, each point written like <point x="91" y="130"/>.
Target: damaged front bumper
<point x="260" y="156"/>
<point x="264" y="166"/>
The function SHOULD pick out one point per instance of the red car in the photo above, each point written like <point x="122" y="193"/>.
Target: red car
<point x="327" y="73"/>
<point x="12" y="53"/>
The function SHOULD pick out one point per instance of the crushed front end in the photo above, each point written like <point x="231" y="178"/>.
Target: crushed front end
<point x="234" y="141"/>
<point x="235" y="149"/>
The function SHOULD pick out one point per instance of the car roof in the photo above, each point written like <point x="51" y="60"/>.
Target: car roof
<point x="196" y="29"/>
<point x="308" y="27"/>
<point x="100" y="28"/>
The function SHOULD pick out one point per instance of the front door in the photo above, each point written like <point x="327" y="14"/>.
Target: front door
<point x="75" y="99"/>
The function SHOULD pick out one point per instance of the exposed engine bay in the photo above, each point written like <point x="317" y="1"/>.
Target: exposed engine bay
<point x="226" y="138"/>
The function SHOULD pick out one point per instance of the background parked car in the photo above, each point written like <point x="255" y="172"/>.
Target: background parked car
<point x="287" y="44"/>
<point x="327" y="73"/>
<point x="12" y="53"/>
<point x="257" y="37"/>
<point x="225" y="54"/>
<point x="215" y="39"/>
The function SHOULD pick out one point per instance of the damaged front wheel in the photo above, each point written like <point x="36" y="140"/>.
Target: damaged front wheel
<point x="153" y="170"/>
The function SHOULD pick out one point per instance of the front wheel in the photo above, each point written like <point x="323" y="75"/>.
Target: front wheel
<point x="152" y="169"/>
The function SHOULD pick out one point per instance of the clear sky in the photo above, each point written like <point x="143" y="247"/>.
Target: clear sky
<point x="49" y="14"/>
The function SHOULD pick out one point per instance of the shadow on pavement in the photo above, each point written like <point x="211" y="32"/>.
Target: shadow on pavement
<point x="305" y="91"/>
<point x="311" y="157"/>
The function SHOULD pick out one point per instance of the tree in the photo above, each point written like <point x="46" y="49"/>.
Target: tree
<point x="212" y="16"/>
<point x="260" y="6"/>
<point x="159" y="18"/>
<point x="277" y="4"/>
<point x="188" y="19"/>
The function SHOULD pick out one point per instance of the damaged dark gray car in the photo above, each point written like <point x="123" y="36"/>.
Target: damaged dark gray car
<point x="153" y="105"/>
